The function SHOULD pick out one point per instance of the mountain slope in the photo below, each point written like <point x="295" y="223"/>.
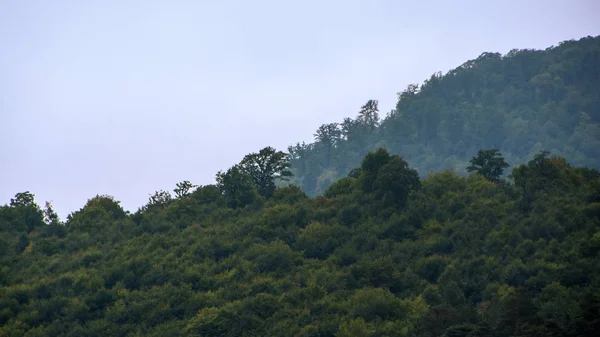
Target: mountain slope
<point x="520" y="103"/>
<point x="382" y="253"/>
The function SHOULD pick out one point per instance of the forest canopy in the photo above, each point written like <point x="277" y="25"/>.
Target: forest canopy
<point x="382" y="253"/>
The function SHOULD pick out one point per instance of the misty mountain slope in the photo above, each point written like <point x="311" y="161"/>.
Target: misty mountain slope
<point x="520" y="103"/>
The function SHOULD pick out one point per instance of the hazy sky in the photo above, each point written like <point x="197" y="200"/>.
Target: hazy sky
<point x="128" y="97"/>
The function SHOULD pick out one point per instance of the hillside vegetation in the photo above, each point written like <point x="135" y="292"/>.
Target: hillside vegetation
<point x="521" y="103"/>
<point x="382" y="253"/>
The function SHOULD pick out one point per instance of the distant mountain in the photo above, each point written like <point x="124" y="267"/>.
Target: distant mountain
<point x="519" y="103"/>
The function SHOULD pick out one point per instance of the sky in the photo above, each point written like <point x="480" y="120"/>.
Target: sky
<point x="125" y="97"/>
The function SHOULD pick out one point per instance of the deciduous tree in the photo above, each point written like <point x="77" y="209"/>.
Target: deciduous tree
<point x="183" y="188"/>
<point x="488" y="163"/>
<point x="265" y="167"/>
<point x="237" y="186"/>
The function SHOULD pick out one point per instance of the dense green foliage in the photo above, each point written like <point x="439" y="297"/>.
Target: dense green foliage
<point x="381" y="253"/>
<point x="520" y="103"/>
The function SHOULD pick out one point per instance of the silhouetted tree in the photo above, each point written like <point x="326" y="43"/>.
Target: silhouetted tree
<point x="489" y="163"/>
<point x="265" y="167"/>
<point x="50" y="216"/>
<point x="183" y="188"/>
<point x="23" y="199"/>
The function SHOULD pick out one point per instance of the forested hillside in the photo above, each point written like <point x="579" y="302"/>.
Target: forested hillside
<point x="382" y="253"/>
<point x="520" y="103"/>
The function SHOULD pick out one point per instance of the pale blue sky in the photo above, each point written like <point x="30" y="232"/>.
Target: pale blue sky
<point x="127" y="97"/>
